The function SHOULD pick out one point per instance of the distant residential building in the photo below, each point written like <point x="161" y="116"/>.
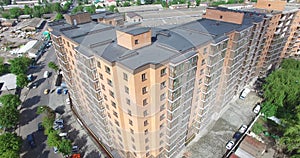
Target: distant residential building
<point x="9" y="22"/>
<point x="236" y="6"/>
<point x="8" y="82"/>
<point x="106" y="3"/>
<point x="29" y="3"/>
<point x="142" y="8"/>
<point x="250" y="148"/>
<point x="22" y="17"/>
<point x="31" y="24"/>
<point x="178" y="6"/>
<point x="133" y="17"/>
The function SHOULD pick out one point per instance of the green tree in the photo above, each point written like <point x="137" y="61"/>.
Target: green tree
<point x="22" y="80"/>
<point x="56" y="7"/>
<point x="77" y="9"/>
<point x="91" y="9"/>
<point x="65" y="147"/>
<point x="112" y="8"/>
<point x="27" y="10"/>
<point x="53" y="66"/>
<point x="258" y="128"/>
<point x="281" y="93"/>
<point x="126" y="4"/>
<point x="138" y="2"/>
<point x="3" y="68"/>
<point x="15" y="12"/>
<point x="10" y="145"/>
<point x="59" y="16"/>
<point x="149" y="1"/>
<point x="10" y="100"/>
<point x="9" y="116"/>
<point x="53" y="139"/>
<point x="198" y="2"/>
<point x="19" y="65"/>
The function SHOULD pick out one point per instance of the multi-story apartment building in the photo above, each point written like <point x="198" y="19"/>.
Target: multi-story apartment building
<point x="146" y="92"/>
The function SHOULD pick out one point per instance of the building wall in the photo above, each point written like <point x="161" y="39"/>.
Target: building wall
<point x="133" y="42"/>
<point x="271" y="4"/>
<point x="226" y="16"/>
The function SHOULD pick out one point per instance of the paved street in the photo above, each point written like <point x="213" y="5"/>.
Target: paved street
<point x="29" y="119"/>
<point x="211" y="144"/>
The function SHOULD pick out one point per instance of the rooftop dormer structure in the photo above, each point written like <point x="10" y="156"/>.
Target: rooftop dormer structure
<point x="134" y="39"/>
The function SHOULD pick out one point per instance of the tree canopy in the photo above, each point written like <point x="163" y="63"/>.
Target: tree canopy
<point x="9" y="116"/>
<point x="10" y="100"/>
<point x="3" y="68"/>
<point x="19" y="65"/>
<point x="281" y="93"/>
<point x="10" y="145"/>
<point x="22" y="80"/>
<point x="65" y="147"/>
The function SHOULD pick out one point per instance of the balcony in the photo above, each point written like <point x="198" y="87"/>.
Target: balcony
<point x="283" y="18"/>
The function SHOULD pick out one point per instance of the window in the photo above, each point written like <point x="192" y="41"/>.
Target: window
<point x="113" y="104"/>
<point x="200" y="81"/>
<point x="128" y="101"/>
<point x="103" y="87"/>
<point x="161" y="135"/>
<point x="117" y="123"/>
<point x="108" y="114"/>
<point x="115" y="113"/>
<point x="126" y="90"/>
<point x="132" y="139"/>
<point x="111" y="94"/>
<point x="125" y="77"/>
<point x="130" y="122"/>
<point x="161" y="126"/>
<point x="146" y="132"/>
<point x="109" y="82"/>
<point x="162" y="107"/>
<point x="131" y="131"/>
<point x="145" y="102"/>
<point x="221" y="17"/>
<point x="145" y="113"/>
<point x="120" y="138"/>
<point x="129" y="112"/>
<point x="118" y="131"/>
<point x="147" y="148"/>
<point x="161" y="148"/>
<point x="144" y="90"/>
<point x="98" y="64"/>
<point x="146" y="123"/>
<point x="144" y="77"/>
<point x="162" y="117"/>
<point x="107" y="69"/>
<point x="146" y="140"/>
<point x="101" y="76"/>
<point x="163" y="72"/>
<point x="107" y="106"/>
<point x="204" y="50"/>
<point x="162" y="97"/>
<point x="105" y="97"/>
<point x="163" y="85"/>
<point x="201" y="71"/>
<point x="203" y="62"/>
<point x="133" y="147"/>
<point x="136" y="41"/>
<point x="147" y="154"/>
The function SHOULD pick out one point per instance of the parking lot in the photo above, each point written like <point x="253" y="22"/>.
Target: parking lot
<point x="212" y="144"/>
<point x="32" y="98"/>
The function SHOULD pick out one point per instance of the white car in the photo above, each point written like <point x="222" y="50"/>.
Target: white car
<point x="46" y="74"/>
<point x="55" y="149"/>
<point x="229" y="145"/>
<point x="63" y="134"/>
<point x="68" y="101"/>
<point x="257" y="108"/>
<point x="243" y="129"/>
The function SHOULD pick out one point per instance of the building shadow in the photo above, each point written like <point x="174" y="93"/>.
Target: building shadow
<point x="27" y="115"/>
<point x="31" y="101"/>
<point x="40" y="141"/>
<point x="93" y="154"/>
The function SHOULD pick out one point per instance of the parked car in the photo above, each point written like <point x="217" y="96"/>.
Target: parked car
<point x="229" y="145"/>
<point x="30" y="140"/>
<point x="46" y="91"/>
<point x="63" y="134"/>
<point x="55" y="149"/>
<point x="243" y="128"/>
<point x="75" y="149"/>
<point x="68" y="101"/>
<point x="257" y="108"/>
<point x="59" y="121"/>
<point x="40" y="126"/>
<point x="34" y="85"/>
<point x="30" y="77"/>
<point x="56" y="126"/>
<point x="237" y="136"/>
<point x="46" y="74"/>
